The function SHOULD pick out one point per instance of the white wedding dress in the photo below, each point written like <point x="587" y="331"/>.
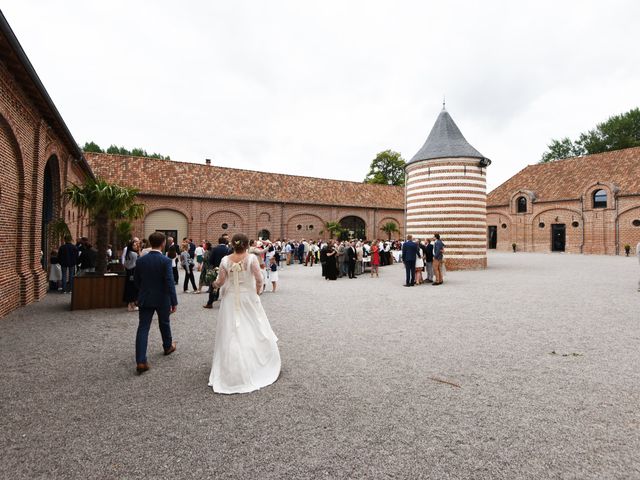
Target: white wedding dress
<point x="245" y="356"/>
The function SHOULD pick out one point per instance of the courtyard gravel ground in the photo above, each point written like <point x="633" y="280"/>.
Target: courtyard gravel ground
<point x="356" y="398"/>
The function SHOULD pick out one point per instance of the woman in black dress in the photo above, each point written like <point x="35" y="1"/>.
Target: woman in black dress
<point x="331" y="269"/>
<point x="323" y="260"/>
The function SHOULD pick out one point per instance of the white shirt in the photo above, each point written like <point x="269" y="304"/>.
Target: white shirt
<point x="199" y="251"/>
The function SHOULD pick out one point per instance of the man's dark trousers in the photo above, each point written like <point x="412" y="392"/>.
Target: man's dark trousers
<point x="352" y="268"/>
<point x="142" y="337"/>
<point x="410" y="267"/>
<point x="213" y="295"/>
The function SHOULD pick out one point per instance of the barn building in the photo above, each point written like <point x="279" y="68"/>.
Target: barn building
<point x="587" y="204"/>
<point x="446" y="193"/>
<point x="204" y="201"/>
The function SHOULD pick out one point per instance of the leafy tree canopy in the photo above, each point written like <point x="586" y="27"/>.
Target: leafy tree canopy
<point x="92" y="147"/>
<point x="618" y="132"/>
<point x="114" y="149"/>
<point x="386" y="169"/>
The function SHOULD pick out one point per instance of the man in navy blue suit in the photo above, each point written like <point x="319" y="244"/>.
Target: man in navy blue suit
<point x="156" y="293"/>
<point x="409" y="255"/>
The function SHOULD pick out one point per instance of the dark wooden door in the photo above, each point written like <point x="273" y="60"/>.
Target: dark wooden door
<point x="492" y="236"/>
<point x="171" y="233"/>
<point x="558" y="237"/>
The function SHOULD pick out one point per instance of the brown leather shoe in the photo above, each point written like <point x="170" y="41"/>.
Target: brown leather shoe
<point x="171" y="349"/>
<point x="207" y="306"/>
<point x="141" y="368"/>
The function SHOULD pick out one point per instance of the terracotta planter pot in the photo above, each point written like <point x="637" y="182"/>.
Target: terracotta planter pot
<point x="97" y="291"/>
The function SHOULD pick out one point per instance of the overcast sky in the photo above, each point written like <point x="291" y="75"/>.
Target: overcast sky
<point x="318" y="88"/>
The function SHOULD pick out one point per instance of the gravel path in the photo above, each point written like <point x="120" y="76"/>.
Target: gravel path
<point x="357" y="397"/>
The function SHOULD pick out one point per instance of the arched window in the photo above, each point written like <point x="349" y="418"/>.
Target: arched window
<point x="600" y="199"/>
<point x="522" y="205"/>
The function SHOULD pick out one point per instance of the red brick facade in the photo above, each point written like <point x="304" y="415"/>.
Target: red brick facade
<point x="245" y="201"/>
<point x="559" y="196"/>
<point x="33" y="140"/>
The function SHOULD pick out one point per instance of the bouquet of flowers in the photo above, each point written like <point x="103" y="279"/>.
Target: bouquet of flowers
<point x="211" y="275"/>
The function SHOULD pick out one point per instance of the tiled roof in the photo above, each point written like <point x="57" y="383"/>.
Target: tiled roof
<point x="445" y="141"/>
<point x="569" y="178"/>
<point x="168" y="177"/>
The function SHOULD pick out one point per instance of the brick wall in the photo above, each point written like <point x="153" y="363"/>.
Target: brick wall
<point x="590" y="231"/>
<point x="27" y="144"/>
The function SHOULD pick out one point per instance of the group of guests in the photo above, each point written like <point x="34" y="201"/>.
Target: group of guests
<point x="308" y="252"/>
<point x="69" y="260"/>
<point x="204" y="258"/>
<point x="347" y="258"/>
<point x="423" y="256"/>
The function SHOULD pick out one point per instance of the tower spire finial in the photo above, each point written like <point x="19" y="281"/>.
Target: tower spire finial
<point x="444" y="102"/>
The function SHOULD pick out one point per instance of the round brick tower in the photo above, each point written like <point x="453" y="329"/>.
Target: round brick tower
<point x="446" y="193"/>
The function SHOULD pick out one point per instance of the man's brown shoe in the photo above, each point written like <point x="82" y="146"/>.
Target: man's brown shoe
<point x="141" y="368"/>
<point x="171" y="349"/>
<point x="207" y="306"/>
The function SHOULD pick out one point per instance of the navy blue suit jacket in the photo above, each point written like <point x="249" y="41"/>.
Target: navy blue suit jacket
<point x="409" y="251"/>
<point x="217" y="254"/>
<point x="154" y="279"/>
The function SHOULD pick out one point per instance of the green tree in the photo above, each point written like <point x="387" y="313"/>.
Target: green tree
<point x="563" y="148"/>
<point x="390" y="228"/>
<point x="104" y="201"/>
<point x="618" y="132"/>
<point x="386" y="169"/>
<point x="116" y="150"/>
<point x="139" y="152"/>
<point x="92" y="147"/>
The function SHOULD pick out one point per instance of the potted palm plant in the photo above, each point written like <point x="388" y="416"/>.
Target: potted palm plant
<point x="389" y="228"/>
<point x="103" y="201"/>
<point x="627" y="249"/>
<point x="334" y="229"/>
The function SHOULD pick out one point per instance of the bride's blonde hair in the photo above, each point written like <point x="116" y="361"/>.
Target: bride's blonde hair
<point x="239" y="242"/>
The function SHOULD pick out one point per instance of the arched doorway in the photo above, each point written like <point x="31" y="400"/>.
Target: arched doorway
<point x="49" y="197"/>
<point x="264" y="234"/>
<point x="170" y="222"/>
<point x="355" y="228"/>
<point x="11" y="225"/>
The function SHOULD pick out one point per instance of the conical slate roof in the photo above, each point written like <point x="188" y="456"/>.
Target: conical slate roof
<point x="446" y="141"/>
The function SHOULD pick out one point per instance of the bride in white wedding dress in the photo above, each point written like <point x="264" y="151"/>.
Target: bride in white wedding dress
<point x="245" y="356"/>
